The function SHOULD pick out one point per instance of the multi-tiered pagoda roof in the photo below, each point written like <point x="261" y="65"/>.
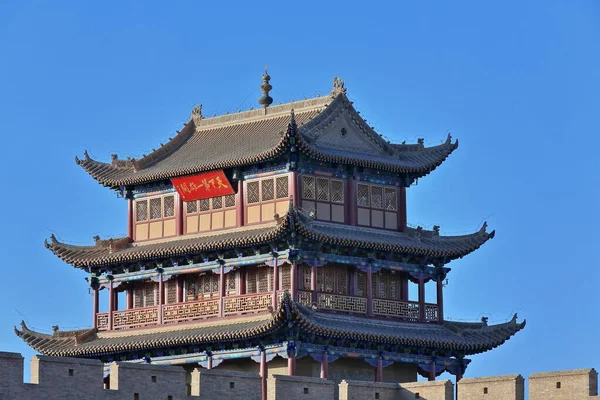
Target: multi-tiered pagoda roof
<point x="309" y="253"/>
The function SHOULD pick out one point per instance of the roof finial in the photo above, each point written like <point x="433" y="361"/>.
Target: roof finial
<point x="265" y="100"/>
<point x="338" y="86"/>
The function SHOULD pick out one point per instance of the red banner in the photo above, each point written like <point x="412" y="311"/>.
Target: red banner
<point x="203" y="186"/>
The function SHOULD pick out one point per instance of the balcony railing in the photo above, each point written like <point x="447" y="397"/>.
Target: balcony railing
<point x="260" y="302"/>
<point x="135" y="318"/>
<point x="190" y="311"/>
<point x="102" y="321"/>
<point x="246" y="304"/>
<point x="407" y="310"/>
<point x="337" y="302"/>
<point x="431" y="313"/>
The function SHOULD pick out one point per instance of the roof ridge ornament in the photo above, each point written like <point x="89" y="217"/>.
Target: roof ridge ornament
<point x="197" y="113"/>
<point x="338" y="86"/>
<point x="265" y="100"/>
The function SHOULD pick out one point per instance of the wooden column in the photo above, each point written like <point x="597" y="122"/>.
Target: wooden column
<point x="294" y="188"/>
<point x="351" y="201"/>
<point x="379" y="370"/>
<point x="275" y="283"/>
<point x="404" y="293"/>
<point x="242" y="276"/>
<point x="130" y="219"/>
<point x="95" y="308"/>
<point x="263" y="375"/>
<point x="291" y="364"/>
<point x="239" y="204"/>
<point x="221" y="290"/>
<point x="432" y="372"/>
<point x="209" y="362"/>
<point x="369" y="292"/>
<point x="402" y="209"/>
<point x="116" y="301"/>
<point x="313" y="284"/>
<point x="111" y="305"/>
<point x="179" y="289"/>
<point x="129" y="296"/>
<point x="179" y="215"/>
<point x="440" y="300"/>
<point x="421" y="299"/>
<point x="294" y="280"/>
<point x="161" y="297"/>
<point x="324" y="366"/>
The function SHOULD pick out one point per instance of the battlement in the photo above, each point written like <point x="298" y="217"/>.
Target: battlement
<point x="59" y="378"/>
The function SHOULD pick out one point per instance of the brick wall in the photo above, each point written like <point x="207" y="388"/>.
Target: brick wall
<point x="214" y="384"/>
<point x="436" y="390"/>
<point x="507" y="387"/>
<point x="282" y="387"/>
<point x="361" y="390"/>
<point x="577" y="384"/>
<point x="68" y="378"/>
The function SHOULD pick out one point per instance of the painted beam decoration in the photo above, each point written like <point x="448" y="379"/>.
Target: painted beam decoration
<point x="203" y="186"/>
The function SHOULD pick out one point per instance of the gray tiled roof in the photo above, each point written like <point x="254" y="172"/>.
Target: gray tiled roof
<point x="255" y="136"/>
<point x="412" y="242"/>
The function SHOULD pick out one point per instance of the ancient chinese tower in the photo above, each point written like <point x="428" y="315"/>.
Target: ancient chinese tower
<point x="274" y="240"/>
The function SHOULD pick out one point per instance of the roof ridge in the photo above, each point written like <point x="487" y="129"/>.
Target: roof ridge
<point x="263" y="113"/>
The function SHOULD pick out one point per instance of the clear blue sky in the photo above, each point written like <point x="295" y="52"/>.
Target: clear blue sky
<point x="518" y="83"/>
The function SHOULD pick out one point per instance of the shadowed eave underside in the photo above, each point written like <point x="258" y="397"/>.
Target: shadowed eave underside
<point x="466" y="338"/>
<point x="257" y="136"/>
<point x="415" y="242"/>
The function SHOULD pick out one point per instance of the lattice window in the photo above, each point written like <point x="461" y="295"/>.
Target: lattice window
<point x="263" y="279"/>
<point x="252" y="192"/>
<point x="171" y="291"/>
<point x="361" y="283"/>
<point x="391" y="202"/>
<point x="332" y="279"/>
<point x="337" y="191"/>
<point x="341" y="279"/>
<point x="363" y="195"/>
<point x="204" y="205"/>
<point x="155" y="212"/>
<point x="231" y="283"/>
<point x="267" y="189"/>
<point x="217" y="203"/>
<point x="306" y="277"/>
<point x="149" y="298"/>
<point x="230" y="200"/>
<point x="190" y="287"/>
<point x="251" y="280"/>
<point x="148" y="215"/>
<point x="377" y="206"/>
<point x="322" y="189"/>
<point x="191" y="207"/>
<point x="387" y="285"/>
<point x="308" y="187"/>
<point x="285" y="277"/>
<point x="215" y="284"/>
<point x="138" y="296"/>
<point x="169" y="206"/>
<point x="141" y="210"/>
<point x="376" y="196"/>
<point x="281" y="187"/>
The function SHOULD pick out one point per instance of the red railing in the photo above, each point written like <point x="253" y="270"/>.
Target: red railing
<point x="338" y="302"/>
<point x="407" y="310"/>
<point x="190" y="311"/>
<point x="432" y="313"/>
<point x="102" y="321"/>
<point x="135" y="317"/>
<point x="246" y="303"/>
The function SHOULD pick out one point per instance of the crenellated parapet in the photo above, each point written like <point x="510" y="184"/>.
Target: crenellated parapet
<point x="54" y="378"/>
